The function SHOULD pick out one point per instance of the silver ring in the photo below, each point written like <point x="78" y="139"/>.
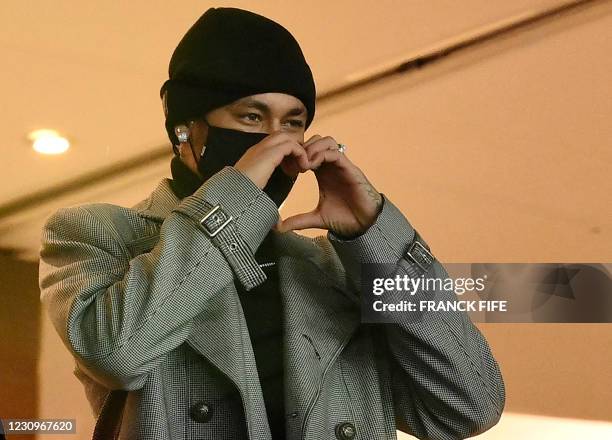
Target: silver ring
<point x="341" y="148"/>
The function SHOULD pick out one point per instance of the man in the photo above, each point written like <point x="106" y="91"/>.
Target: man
<point x="199" y="313"/>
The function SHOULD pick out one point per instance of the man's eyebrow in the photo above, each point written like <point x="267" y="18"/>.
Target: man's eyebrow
<point x="262" y="106"/>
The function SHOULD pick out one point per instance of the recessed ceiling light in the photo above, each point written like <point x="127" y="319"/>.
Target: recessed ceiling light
<point x="48" y="142"/>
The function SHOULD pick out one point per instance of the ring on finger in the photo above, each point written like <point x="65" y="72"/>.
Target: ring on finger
<point x="341" y="148"/>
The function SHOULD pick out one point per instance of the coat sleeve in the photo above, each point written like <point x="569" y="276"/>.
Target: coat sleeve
<point x="118" y="315"/>
<point x="445" y="381"/>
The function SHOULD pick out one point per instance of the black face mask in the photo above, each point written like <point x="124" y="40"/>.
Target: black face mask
<point x="225" y="146"/>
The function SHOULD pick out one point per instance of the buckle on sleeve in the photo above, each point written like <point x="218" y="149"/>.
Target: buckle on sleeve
<point x="420" y="255"/>
<point x="214" y="221"/>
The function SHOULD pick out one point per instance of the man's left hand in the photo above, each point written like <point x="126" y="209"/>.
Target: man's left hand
<point x="348" y="203"/>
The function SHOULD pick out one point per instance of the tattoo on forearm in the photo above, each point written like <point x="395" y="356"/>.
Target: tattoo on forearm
<point x="374" y="195"/>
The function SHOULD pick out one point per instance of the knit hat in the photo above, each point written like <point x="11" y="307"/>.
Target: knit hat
<point x="230" y="53"/>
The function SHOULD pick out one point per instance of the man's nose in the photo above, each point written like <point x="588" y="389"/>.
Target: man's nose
<point x="273" y="125"/>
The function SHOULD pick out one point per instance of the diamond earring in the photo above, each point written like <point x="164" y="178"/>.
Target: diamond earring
<point x="182" y="133"/>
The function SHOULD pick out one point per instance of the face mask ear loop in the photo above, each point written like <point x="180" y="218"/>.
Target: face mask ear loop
<point x="192" y="152"/>
<point x="204" y="146"/>
<point x="191" y="145"/>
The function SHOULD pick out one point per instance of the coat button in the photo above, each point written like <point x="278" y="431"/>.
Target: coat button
<point x="345" y="431"/>
<point x="201" y="412"/>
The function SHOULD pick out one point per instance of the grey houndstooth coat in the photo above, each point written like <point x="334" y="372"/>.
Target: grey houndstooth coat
<point x="145" y="300"/>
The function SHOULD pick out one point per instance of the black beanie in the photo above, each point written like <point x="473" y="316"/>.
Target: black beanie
<point x="228" y="54"/>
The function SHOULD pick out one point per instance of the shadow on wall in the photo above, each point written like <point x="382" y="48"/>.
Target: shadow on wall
<point x="20" y="312"/>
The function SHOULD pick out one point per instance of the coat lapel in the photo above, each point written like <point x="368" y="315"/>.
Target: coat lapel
<point x="319" y="317"/>
<point x="224" y="342"/>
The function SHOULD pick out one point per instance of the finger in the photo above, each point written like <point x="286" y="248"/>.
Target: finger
<point x="325" y="143"/>
<point x="321" y="145"/>
<point x="301" y="221"/>
<point x="290" y="166"/>
<point x="327" y="156"/>
<point x="258" y="162"/>
<point x="276" y="138"/>
<point x="278" y="224"/>
<point x="299" y="154"/>
<point x="317" y="139"/>
<point x="293" y="160"/>
<point x="312" y="139"/>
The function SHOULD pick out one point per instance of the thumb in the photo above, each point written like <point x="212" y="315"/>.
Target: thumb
<point x="300" y="221"/>
<point x="277" y="225"/>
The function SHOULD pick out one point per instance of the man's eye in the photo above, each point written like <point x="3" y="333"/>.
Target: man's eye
<point x="296" y="122"/>
<point x="251" y="116"/>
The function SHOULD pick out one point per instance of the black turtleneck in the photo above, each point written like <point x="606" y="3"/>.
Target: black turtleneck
<point x="262" y="310"/>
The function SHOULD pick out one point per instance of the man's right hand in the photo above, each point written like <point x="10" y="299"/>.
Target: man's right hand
<point x="279" y="148"/>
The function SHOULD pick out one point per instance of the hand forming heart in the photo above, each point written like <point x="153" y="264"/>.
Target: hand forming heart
<point x="348" y="203"/>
